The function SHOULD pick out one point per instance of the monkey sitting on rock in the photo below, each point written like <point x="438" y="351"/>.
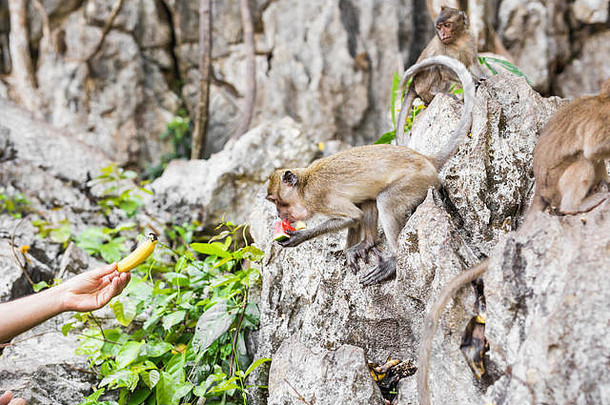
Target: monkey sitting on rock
<point x="571" y="178"/>
<point x="358" y="187"/>
<point x="454" y="39"/>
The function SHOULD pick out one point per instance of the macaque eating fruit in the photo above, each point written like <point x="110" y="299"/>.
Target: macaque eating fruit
<point x="362" y="186"/>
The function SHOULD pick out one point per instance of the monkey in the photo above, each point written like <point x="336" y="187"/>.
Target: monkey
<point x="570" y="153"/>
<point x="454" y="39"/>
<point x="358" y="187"/>
<point x="568" y="167"/>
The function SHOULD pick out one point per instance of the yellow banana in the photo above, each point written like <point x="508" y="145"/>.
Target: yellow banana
<point x="139" y="255"/>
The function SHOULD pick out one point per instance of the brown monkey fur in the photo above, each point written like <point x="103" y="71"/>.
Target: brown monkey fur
<point x="358" y="187"/>
<point x="569" y="155"/>
<point x="568" y="167"/>
<point x="454" y="39"/>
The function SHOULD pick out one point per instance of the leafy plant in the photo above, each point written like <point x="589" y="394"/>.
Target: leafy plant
<point x="389" y="136"/>
<point x="181" y="334"/>
<point x="484" y="60"/>
<point x="118" y="190"/>
<point x="60" y="232"/>
<point x="179" y="134"/>
<point x="16" y="205"/>
<point x="104" y="242"/>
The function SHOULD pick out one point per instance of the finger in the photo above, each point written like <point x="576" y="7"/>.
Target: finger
<point x="6" y="398"/>
<point x="17" y="401"/>
<point x="103" y="270"/>
<point x="121" y="283"/>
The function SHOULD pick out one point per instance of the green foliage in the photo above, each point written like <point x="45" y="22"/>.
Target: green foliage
<point x="484" y="60"/>
<point x="60" y="232"/>
<point x="118" y="190"/>
<point x="180" y="323"/>
<point x="181" y="333"/>
<point x="16" y="205"/>
<point x="179" y="134"/>
<point x="389" y="136"/>
<point x="104" y="242"/>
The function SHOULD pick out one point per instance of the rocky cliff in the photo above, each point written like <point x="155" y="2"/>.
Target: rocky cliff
<point x="330" y="68"/>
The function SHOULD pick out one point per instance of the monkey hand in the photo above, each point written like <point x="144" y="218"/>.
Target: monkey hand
<point x="295" y="239"/>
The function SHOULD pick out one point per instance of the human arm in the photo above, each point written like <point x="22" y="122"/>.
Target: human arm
<point x="86" y="292"/>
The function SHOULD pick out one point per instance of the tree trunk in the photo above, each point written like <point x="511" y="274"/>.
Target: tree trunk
<point x="205" y="56"/>
<point x="22" y="77"/>
<point x="248" y="27"/>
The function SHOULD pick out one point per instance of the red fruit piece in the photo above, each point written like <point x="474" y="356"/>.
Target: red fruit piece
<point x="279" y="231"/>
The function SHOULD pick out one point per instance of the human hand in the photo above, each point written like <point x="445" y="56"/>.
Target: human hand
<point x="7" y="399"/>
<point x="93" y="289"/>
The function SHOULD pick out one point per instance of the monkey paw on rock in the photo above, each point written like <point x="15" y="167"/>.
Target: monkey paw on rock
<point x="361" y="251"/>
<point x="385" y="270"/>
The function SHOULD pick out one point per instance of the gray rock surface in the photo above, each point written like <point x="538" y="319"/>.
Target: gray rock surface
<point x="310" y="292"/>
<point x="225" y="184"/>
<point x="296" y="375"/>
<point x="330" y="68"/>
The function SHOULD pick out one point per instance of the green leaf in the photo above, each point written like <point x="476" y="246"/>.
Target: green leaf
<point x="177" y="279"/>
<point x="211" y="325"/>
<point x="211" y="249"/>
<point x="63" y="233"/>
<point x="227" y="385"/>
<point x="92" y="399"/>
<point x="121" y="378"/>
<point x="91" y="343"/>
<point x="128" y="354"/>
<point x="506" y="65"/>
<point x="39" y="286"/>
<point x="124" y="310"/>
<point x="138" y="396"/>
<point x="251" y="253"/>
<point x="150" y="378"/>
<point x="113" y="250"/>
<point x="66" y="328"/>
<point x="255" y="365"/>
<point x="158" y="349"/>
<point x="386" y="138"/>
<point x="394" y="94"/>
<point x="169" y="391"/>
<point x="172" y="319"/>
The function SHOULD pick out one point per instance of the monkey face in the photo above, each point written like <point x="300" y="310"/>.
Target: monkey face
<point x="283" y="192"/>
<point x="445" y="30"/>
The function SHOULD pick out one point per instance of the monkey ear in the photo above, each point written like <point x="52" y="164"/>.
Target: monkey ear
<point x="465" y="17"/>
<point x="289" y="178"/>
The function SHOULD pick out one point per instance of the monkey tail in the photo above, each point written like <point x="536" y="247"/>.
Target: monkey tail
<point x="431" y="324"/>
<point x="463" y="127"/>
<point x="407" y="103"/>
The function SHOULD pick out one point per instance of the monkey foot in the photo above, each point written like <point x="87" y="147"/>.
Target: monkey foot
<point x="385" y="270"/>
<point x="361" y="251"/>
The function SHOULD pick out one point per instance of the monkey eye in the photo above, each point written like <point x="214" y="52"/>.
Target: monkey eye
<point x="270" y="198"/>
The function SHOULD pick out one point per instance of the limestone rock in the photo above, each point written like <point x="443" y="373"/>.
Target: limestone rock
<point x="322" y="376"/>
<point x="591" y="11"/>
<point x="226" y="184"/>
<point x="585" y="74"/>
